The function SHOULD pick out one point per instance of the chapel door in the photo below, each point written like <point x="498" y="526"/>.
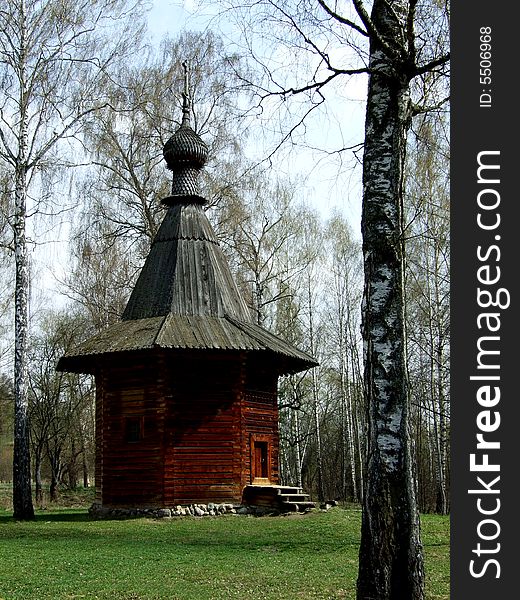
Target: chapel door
<point x="260" y="462"/>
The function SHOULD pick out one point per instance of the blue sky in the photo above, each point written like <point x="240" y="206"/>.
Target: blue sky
<point x="329" y="183"/>
<point x="326" y="185"/>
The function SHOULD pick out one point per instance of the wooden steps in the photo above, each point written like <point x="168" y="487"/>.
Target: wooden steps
<point x="278" y="497"/>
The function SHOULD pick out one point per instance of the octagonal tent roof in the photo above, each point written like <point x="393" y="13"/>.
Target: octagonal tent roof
<point x="185" y="296"/>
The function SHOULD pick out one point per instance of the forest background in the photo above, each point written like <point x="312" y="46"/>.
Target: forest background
<point x="284" y="194"/>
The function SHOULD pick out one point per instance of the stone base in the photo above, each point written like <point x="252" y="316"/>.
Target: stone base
<point x="98" y="511"/>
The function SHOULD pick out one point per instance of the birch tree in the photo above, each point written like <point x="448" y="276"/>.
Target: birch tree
<point x="260" y="235"/>
<point x="428" y="292"/>
<point x="401" y="46"/>
<point x="344" y="287"/>
<point x="53" y="54"/>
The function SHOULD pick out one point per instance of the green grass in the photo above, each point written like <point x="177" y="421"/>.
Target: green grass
<point x="78" y="498"/>
<point x="64" y="555"/>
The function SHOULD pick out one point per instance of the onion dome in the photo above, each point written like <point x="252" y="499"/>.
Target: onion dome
<point x="185" y="298"/>
<point x="185" y="154"/>
<point x="185" y="148"/>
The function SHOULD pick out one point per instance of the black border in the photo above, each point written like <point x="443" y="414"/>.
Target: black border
<point x="475" y="129"/>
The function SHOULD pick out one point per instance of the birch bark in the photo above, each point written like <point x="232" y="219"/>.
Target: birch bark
<point x="22" y="497"/>
<point x="391" y="561"/>
<point x="54" y="59"/>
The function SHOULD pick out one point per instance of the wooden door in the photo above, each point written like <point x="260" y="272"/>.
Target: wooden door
<point x="260" y="460"/>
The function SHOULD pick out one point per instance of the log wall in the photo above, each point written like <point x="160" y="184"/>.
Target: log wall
<point x="131" y="470"/>
<point x="180" y="428"/>
<point x="261" y="425"/>
<point x="203" y="447"/>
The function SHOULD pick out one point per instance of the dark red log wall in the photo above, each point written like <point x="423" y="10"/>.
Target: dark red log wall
<point x="179" y="428"/>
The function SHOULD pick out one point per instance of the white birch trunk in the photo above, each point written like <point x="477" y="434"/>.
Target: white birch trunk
<point x="441" y="404"/>
<point x="22" y="498"/>
<point x="298" y="449"/>
<point x="351" y="447"/>
<point x="315" y="397"/>
<point x="357" y="420"/>
<point x="317" y="429"/>
<point x="391" y="561"/>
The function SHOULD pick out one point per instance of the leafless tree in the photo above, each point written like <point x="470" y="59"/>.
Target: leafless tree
<point x="428" y="297"/>
<point x="402" y="46"/>
<point x="120" y="193"/>
<point x="59" y="402"/>
<point x="53" y="54"/>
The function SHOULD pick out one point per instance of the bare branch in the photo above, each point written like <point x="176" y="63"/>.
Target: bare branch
<point x="438" y="62"/>
<point x="419" y="110"/>
<point x="341" y="19"/>
<point x="317" y="85"/>
<point x="62" y="134"/>
<point x="7" y="154"/>
<point x="372" y="29"/>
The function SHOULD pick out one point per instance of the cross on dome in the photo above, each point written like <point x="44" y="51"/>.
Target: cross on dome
<point x="185" y="154"/>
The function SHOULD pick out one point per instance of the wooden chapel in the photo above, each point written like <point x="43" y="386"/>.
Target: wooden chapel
<point x="186" y="381"/>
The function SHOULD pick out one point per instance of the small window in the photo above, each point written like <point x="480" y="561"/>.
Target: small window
<point x="133" y="429"/>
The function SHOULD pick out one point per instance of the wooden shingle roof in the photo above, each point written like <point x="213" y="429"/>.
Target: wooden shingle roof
<point x="176" y="332"/>
<point x="186" y="272"/>
<point x="185" y="297"/>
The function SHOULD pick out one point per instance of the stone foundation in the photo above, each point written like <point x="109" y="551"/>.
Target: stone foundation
<point x="98" y="511"/>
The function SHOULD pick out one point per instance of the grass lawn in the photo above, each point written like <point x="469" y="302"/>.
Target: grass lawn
<point x="64" y="555"/>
